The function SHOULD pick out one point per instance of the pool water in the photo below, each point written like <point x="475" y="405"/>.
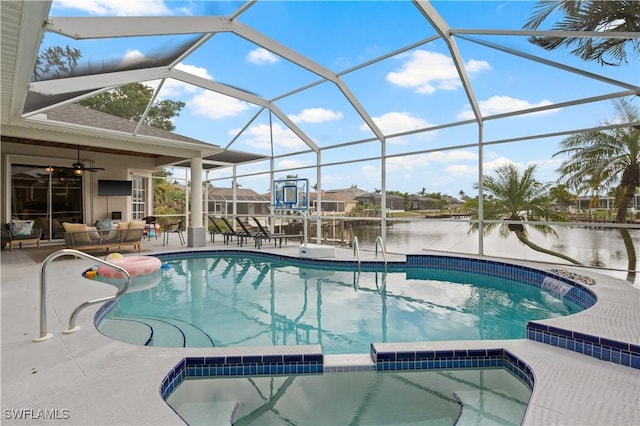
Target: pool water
<point x="239" y="300"/>
<point x="461" y="397"/>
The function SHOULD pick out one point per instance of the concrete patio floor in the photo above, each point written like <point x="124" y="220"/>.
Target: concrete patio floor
<point x="85" y="378"/>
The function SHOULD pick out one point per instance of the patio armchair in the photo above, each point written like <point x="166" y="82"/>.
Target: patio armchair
<point x="12" y="236"/>
<point x="174" y="228"/>
<point x="150" y="227"/>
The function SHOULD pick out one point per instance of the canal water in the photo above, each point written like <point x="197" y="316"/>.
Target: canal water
<point x="593" y="247"/>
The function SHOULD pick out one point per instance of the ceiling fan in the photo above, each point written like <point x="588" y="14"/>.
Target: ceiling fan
<point x="79" y="168"/>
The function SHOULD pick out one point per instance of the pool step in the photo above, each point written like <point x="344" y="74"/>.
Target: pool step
<point x="126" y="330"/>
<point x="159" y="332"/>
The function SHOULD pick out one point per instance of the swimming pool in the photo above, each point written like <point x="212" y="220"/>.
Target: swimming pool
<point x="233" y="298"/>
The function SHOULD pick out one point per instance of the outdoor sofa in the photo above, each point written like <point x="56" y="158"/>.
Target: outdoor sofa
<point x="82" y="237"/>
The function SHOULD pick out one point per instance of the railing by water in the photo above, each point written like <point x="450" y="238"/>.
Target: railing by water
<point x="72" y="319"/>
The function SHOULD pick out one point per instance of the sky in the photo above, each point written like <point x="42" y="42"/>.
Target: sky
<point x="414" y="89"/>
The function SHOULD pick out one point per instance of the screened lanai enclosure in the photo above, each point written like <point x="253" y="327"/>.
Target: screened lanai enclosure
<point x="415" y="99"/>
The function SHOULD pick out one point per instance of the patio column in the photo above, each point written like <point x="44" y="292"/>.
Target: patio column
<point x="196" y="233"/>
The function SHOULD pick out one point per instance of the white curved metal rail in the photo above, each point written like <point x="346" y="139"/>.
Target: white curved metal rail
<point x="356" y="249"/>
<point x="72" y="319"/>
<point x="384" y="253"/>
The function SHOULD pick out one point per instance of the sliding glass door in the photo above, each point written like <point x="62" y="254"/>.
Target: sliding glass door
<point x="49" y="196"/>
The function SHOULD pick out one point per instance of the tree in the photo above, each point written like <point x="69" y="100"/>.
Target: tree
<point x="130" y="102"/>
<point x="561" y="195"/>
<point x="607" y="159"/>
<point x="168" y="198"/>
<point x="582" y="15"/>
<point x="510" y="195"/>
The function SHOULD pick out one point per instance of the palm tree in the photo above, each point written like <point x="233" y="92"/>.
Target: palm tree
<point x="509" y="196"/>
<point x="595" y="16"/>
<point x="608" y="159"/>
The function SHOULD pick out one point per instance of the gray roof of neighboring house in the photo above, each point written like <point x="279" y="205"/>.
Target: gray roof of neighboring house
<point x="350" y="193"/>
<point x="376" y="196"/>
<point x="242" y="195"/>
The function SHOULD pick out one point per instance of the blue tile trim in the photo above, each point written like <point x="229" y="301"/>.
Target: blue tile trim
<point x="104" y="311"/>
<point x="234" y="365"/>
<point x="617" y="352"/>
<point x="218" y="366"/>
<point x="454" y="359"/>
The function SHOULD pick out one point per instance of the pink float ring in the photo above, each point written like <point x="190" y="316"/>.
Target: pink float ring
<point x="134" y="265"/>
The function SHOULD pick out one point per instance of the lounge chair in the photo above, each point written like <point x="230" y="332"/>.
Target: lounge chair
<point x="277" y="238"/>
<point x="218" y="230"/>
<point x="232" y="232"/>
<point x="246" y="232"/>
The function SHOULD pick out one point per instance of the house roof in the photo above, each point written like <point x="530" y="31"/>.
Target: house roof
<point x="328" y="196"/>
<point x="242" y="195"/>
<point x="377" y="196"/>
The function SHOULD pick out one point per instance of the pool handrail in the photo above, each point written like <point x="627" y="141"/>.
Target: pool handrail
<point x="356" y="249"/>
<point x="384" y="253"/>
<point x="72" y="319"/>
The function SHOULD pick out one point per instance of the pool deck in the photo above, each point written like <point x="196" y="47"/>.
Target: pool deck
<point x="85" y="378"/>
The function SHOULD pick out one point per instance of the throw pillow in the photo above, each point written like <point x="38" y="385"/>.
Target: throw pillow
<point x="76" y="230"/>
<point x="93" y="233"/>
<point x="21" y="228"/>
<point x="104" y="225"/>
<point x="137" y="225"/>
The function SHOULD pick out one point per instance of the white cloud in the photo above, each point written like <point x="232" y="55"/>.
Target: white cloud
<point x="132" y="56"/>
<point x="421" y="161"/>
<point x="461" y="170"/>
<point x="259" y="137"/>
<point x="371" y="172"/>
<point x="451" y="156"/>
<point x="429" y="71"/>
<point x="174" y="88"/>
<point x="214" y="105"/>
<point x="262" y="56"/>
<point x="291" y="164"/>
<point x="476" y="66"/>
<point x="115" y="7"/>
<point x="397" y="122"/>
<point x="315" y="115"/>
<point x="489" y="166"/>
<point x="197" y="71"/>
<point x="501" y="104"/>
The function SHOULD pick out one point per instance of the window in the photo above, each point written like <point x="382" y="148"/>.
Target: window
<point x="138" y="198"/>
